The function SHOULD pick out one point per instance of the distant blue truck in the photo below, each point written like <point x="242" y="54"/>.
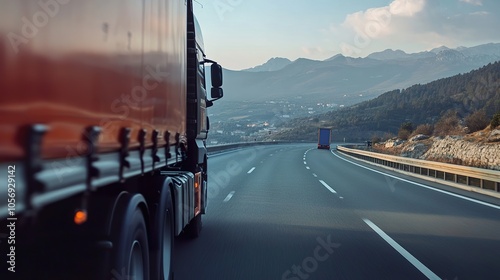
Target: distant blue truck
<point x="324" y="138"/>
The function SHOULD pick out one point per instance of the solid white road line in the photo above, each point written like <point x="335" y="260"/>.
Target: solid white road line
<point x="251" y="170"/>
<point x="326" y="186"/>
<point x="228" y="197"/>
<point x="423" y="186"/>
<point x="416" y="263"/>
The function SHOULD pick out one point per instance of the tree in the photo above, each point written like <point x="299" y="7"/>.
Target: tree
<point x="425" y="129"/>
<point x="407" y="126"/>
<point x="449" y="124"/>
<point x="495" y="121"/>
<point x="476" y="121"/>
<point x="405" y="130"/>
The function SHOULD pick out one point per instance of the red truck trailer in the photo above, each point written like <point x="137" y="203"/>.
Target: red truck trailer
<point x="103" y="122"/>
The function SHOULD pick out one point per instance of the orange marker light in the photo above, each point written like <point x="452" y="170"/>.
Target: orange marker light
<point x="80" y="217"/>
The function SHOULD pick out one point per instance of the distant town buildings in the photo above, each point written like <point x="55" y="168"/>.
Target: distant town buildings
<point x="260" y="121"/>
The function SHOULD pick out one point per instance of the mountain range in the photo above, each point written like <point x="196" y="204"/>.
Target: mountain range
<point x="418" y="104"/>
<point x="273" y="64"/>
<point x="347" y="80"/>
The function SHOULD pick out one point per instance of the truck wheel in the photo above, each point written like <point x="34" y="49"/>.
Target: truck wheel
<point x="162" y="236"/>
<point x="193" y="229"/>
<point x="130" y="257"/>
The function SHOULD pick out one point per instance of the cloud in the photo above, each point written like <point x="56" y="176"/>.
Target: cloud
<point x="415" y="25"/>
<point x="377" y="26"/>
<point x="375" y="22"/>
<point x="406" y="8"/>
<point x="473" y="2"/>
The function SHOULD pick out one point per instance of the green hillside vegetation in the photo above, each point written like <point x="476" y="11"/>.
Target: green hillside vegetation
<point x="460" y="100"/>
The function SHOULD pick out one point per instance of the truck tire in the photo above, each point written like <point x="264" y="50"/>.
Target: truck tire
<point x="130" y="256"/>
<point x="162" y="235"/>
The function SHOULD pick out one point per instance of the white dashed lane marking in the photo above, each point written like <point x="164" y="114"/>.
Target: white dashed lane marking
<point x="326" y="186"/>
<point x="316" y="176"/>
<point x="228" y="197"/>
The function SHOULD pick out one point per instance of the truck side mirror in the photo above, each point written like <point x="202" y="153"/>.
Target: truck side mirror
<point x="216" y="93"/>
<point x="216" y="73"/>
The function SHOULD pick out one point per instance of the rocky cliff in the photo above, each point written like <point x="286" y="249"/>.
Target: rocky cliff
<point x="481" y="149"/>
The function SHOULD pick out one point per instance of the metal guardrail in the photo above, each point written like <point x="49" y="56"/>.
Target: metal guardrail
<point x="226" y="147"/>
<point x="484" y="179"/>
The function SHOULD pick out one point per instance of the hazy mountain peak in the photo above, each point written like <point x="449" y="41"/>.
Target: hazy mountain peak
<point x="388" y="54"/>
<point x="486" y="49"/>
<point x="337" y="56"/>
<point x="273" y="64"/>
<point x="450" y="55"/>
<point x="440" y="49"/>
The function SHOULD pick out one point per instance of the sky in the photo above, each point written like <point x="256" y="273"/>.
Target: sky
<point x="241" y="34"/>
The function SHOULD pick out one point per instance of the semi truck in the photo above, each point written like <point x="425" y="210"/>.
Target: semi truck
<point x="324" y="138"/>
<point x="103" y="128"/>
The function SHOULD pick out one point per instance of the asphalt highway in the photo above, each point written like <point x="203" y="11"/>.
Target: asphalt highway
<point x="296" y="212"/>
